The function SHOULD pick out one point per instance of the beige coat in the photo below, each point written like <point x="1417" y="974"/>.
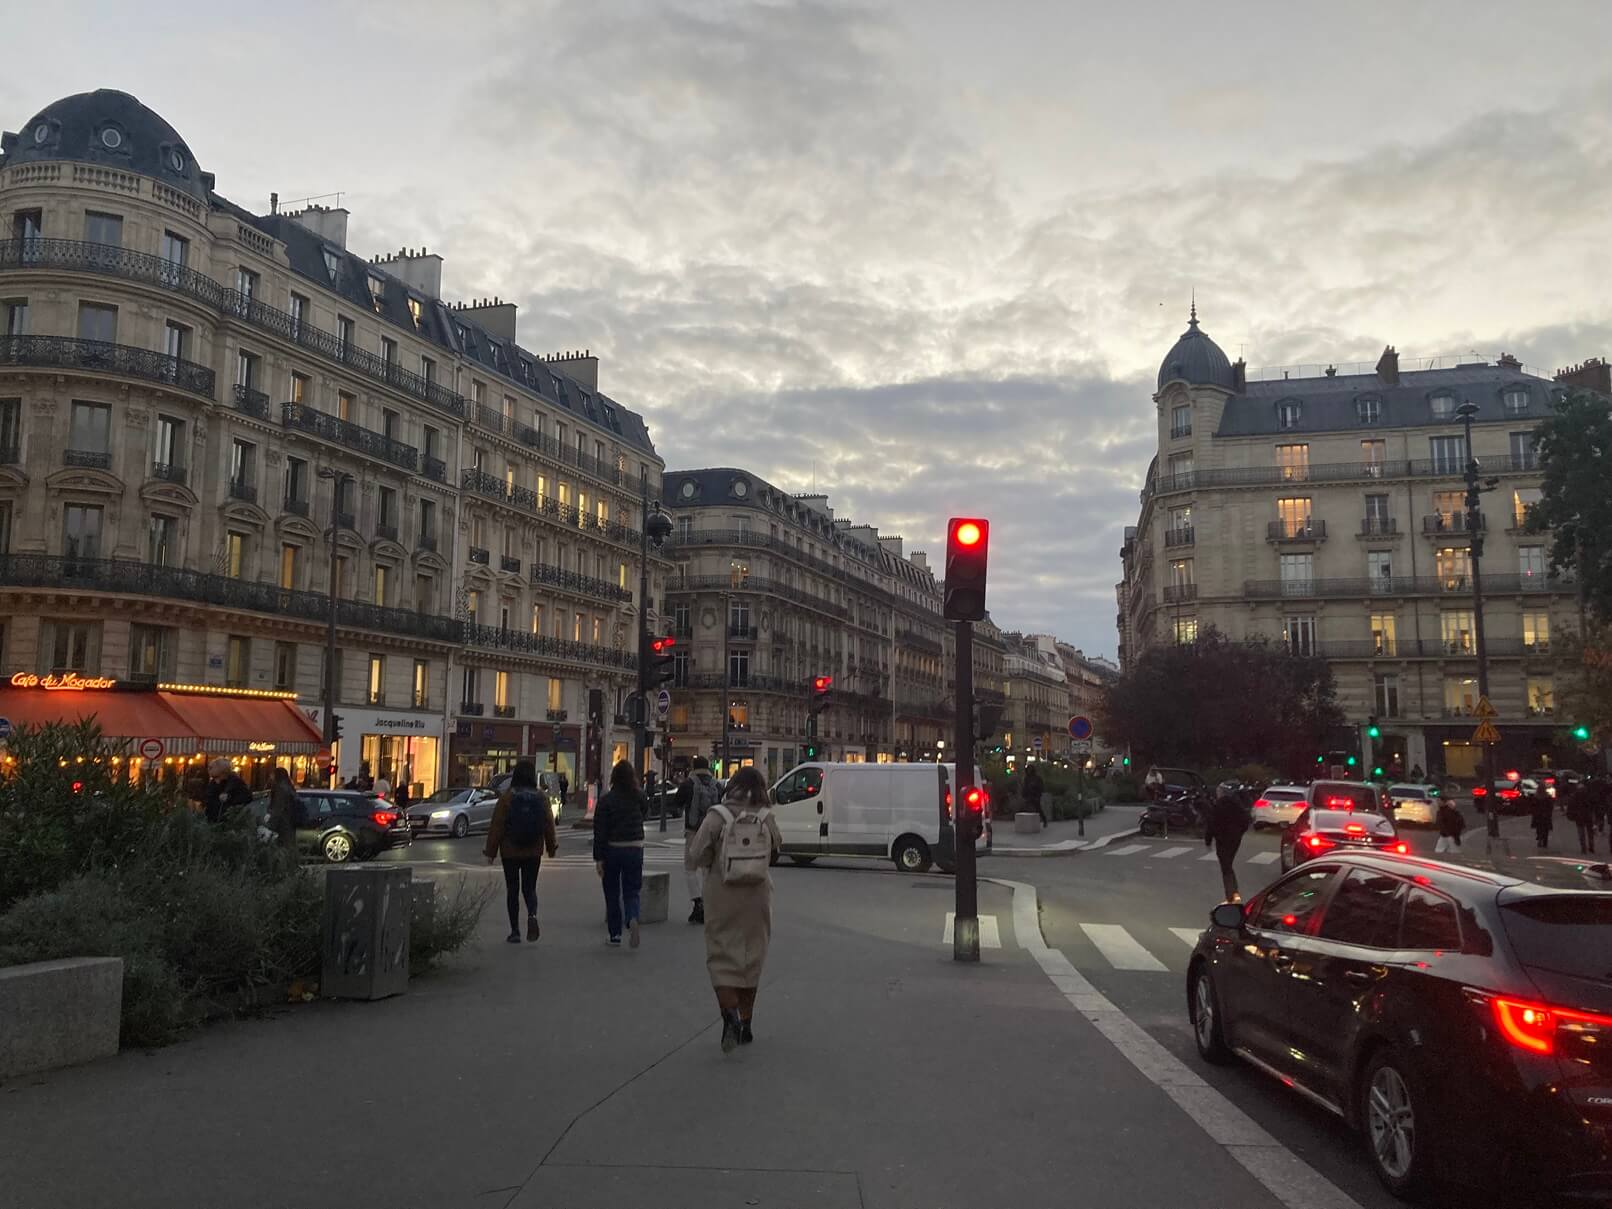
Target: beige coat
<point x="738" y="919"/>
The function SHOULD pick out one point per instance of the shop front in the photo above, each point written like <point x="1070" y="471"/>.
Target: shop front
<point x="483" y="751"/>
<point x="403" y="747"/>
<point x="555" y="748"/>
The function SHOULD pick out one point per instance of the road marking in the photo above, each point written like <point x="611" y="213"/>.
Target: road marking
<point x="1169" y="853"/>
<point x="1209" y="856"/>
<point x="1106" y="840"/>
<point x="1188" y="935"/>
<point x="1286" y="1176"/>
<point x="1263" y="858"/>
<point x="1122" y="949"/>
<point x="1127" y="850"/>
<point x="990" y="935"/>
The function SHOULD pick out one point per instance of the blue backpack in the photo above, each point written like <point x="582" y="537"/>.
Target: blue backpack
<point x="524" y="827"/>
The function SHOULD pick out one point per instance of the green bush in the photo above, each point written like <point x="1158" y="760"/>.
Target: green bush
<point x="1121" y="788"/>
<point x="449" y="925"/>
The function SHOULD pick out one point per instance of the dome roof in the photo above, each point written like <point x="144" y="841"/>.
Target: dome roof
<point x="1196" y="360"/>
<point x="114" y="130"/>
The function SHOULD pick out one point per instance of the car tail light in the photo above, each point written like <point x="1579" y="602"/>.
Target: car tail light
<point x="1510" y="794"/>
<point x="1478" y="791"/>
<point x="1317" y="842"/>
<point x="1341" y="803"/>
<point x="1402" y="848"/>
<point x="384" y="818"/>
<point x="1532" y="1026"/>
<point x="1261" y="804"/>
<point x="1355" y="828"/>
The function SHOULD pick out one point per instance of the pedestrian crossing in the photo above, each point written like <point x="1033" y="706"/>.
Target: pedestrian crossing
<point x="1135" y="948"/>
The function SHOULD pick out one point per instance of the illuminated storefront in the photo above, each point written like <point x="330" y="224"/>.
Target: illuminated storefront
<point x="403" y="747"/>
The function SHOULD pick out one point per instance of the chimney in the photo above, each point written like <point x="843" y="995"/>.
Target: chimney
<point x="1332" y="371"/>
<point x="891" y="546"/>
<point x="1239" y="375"/>
<point x="919" y="559"/>
<point x="581" y="367"/>
<point x="1507" y="361"/>
<point x="1388" y="366"/>
<point x="329" y="223"/>
<point x="418" y="269"/>
<point x="496" y="315"/>
<point x="1594" y="374"/>
<point x="274" y="203"/>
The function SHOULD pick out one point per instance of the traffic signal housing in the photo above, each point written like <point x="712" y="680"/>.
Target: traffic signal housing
<point x="809" y="750"/>
<point x="968" y="541"/>
<point x="972" y="816"/>
<point x="661" y="659"/>
<point x="335" y="726"/>
<point x="821" y="686"/>
<point x="1581" y="733"/>
<point x="1372" y="729"/>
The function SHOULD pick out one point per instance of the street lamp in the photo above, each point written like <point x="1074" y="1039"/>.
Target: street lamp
<point x="339" y="479"/>
<point x="656" y="528"/>
<point x="1475" y="487"/>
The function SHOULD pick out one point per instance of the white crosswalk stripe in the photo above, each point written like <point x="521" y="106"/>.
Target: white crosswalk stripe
<point x="1264" y="858"/>
<point x="1127" y="849"/>
<point x="1209" y="856"/>
<point x="1123" y="951"/>
<point x="1169" y="853"/>
<point x="1188" y="935"/>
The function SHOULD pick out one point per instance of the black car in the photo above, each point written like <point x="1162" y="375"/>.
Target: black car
<point x="1317" y="832"/>
<point x="341" y="825"/>
<point x="1462" y="1020"/>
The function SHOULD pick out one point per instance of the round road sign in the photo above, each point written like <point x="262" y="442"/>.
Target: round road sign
<point x="1080" y="727"/>
<point x="663" y="703"/>
<point x="151" y="749"/>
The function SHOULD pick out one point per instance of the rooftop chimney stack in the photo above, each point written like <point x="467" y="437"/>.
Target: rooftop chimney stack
<point x="582" y="368"/>
<point x="1239" y="375"/>
<point x="327" y="222"/>
<point x="1388" y="366"/>
<point x="496" y="315"/>
<point x="1593" y="374"/>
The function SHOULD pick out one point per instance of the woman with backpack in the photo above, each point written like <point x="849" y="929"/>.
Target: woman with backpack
<point x="522" y="827"/>
<point x="618" y="850"/>
<point x="733" y="849"/>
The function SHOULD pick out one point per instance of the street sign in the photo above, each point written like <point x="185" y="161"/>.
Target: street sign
<point x="663" y="703"/>
<point x="1081" y="746"/>
<point x="1037" y="743"/>
<point x="1485" y="710"/>
<point x="151" y="749"/>
<point x="1080" y="727"/>
<point x="1486" y="733"/>
<point x="5" y="729"/>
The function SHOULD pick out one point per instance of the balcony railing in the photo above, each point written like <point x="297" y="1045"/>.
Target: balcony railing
<point x="1180" y="593"/>
<point x="426" y="542"/>
<point x="343" y="432"/>
<point x="93" y="459"/>
<point x="1310" y="529"/>
<point x="239" y="490"/>
<point x="756" y="682"/>
<point x="1180" y="430"/>
<point x="1379" y="526"/>
<point x="919" y="642"/>
<point x="480" y="557"/>
<point x="296" y="507"/>
<point x="252" y="402"/>
<point x="168" y="472"/>
<point x="474" y="708"/>
<point x="753" y="583"/>
<point x="344" y="520"/>
<point x="1442" y="523"/>
<point x="493" y="420"/>
<point x="100" y="356"/>
<point x="1334" y="472"/>
<point x="1401" y="585"/>
<point x="744" y="633"/>
<point x="510" y="564"/>
<point x="557" y="715"/>
<point x="521" y="642"/>
<point x="503" y="711"/>
<point x="386" y="533"/>
<point x="435" y="469"/>
<point x="1180" y="536"/>
<point x="490" y="486"/>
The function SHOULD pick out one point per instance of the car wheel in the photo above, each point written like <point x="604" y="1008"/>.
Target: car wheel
<point x="1204" y="1006"/>
<point x="801" y="860"/>
<point x="337" y="847"/>
<point x="1286" y="862"/>
<point x="461" y="827"/>
<point x="912" y="855"/>
<point x="1397" y="1151"/>
<point x="1148" y="827"/>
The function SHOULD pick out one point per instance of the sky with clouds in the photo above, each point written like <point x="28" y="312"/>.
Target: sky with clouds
<point x="925" y="255"/>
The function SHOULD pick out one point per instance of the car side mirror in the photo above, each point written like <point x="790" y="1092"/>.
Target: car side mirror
<point x="1227" y="915"/>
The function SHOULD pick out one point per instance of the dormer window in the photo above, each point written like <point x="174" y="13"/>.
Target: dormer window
<point x="1443" y="406"/>
<point x="415" y="311"/>
<point x="1516" y="400"/>
<point x="377" y="291"/>
<point x="1288" y="413"/>
<point x="332" y="263"/>
<point x="1369" y="411"/>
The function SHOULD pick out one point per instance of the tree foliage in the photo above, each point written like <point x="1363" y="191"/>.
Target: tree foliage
<point x="1216" y="702"/>
<point x="1575" y="453"/>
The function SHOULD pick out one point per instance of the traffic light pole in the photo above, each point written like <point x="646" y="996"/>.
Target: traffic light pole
<point x="966" y="923"/>
<point x="641" y="708"/>
<point x="1474" y="526"/>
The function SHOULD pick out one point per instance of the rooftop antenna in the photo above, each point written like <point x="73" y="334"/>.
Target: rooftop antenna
<point x="1192" y="321"/>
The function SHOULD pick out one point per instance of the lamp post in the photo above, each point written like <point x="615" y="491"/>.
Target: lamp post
<point x="656" y="528"/>
<point x="1475" y="488"/>
<point x="339" y="480"/>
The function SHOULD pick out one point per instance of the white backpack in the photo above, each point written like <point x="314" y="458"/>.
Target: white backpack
<point x="746" y="845"/>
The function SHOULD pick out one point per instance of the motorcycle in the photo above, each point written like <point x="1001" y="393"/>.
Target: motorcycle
<point x="1177" y="812"/>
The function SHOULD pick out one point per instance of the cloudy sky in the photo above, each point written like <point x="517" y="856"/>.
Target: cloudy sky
<point x="924" y="254"/>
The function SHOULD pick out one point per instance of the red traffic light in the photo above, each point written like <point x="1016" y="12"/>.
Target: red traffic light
<point x="822" y="684"/>
<point x="968" y="540"/>
<point x="969" y="533"/>
<point x="974" y="800"/>
<point x="662" y="645"/>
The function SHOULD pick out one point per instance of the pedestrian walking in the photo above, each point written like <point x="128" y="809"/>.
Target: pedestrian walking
<point x="1450" y="826"/>
<point x="1228" y="821"/>
<point x="618" y="851"/>
<point x="1542" y="811"/>
<point x="1581" y="813"/>
<point x="522" y="828"/>
<point x="1416" y="774"/>
<point x="401" y="798"/>
<point x="565" y="790"/>
<point x="284" y="810"/>
<point x="383" y="787"/>
<point x="225" y="789"/>
<point x="1032" y="790"/>
<point x="695" y="797"/>
<point x="733" y="850"/>
<point x="1600" y="796"/>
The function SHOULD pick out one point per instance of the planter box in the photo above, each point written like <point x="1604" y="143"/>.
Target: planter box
<point x="59" y="1013"/>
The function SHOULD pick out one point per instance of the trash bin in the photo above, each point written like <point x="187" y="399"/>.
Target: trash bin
<point x="364" y="947"/>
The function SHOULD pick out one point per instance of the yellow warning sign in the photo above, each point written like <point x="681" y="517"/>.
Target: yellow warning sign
<point x="1486" y="733"/>
<point x="1485" y="710"/>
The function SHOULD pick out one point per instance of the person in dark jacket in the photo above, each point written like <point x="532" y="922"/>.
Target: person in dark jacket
<point x="284" y="810"/>
<point x="1450" y="827"/>
<point x="1227" y="822"/>
<point x="1581" y="813"/>
<point x="1543" y="812"/>
<point x="618" y="850"/>
<point x="695" y="797"/>
<point x="1032" y="789"/>
<point x="521" y="860"/>
<point x="1599" y="794"/>
<point x="225" y="790"/>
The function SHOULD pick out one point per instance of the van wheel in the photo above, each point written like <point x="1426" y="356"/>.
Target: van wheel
<point x="912" y="855"/>
<point x="801" y="860"/>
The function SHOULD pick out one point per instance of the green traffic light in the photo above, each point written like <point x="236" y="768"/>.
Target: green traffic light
<point x="1352" y="761"/>
<point x="1320" y="759"/>
<point x="1376" y="772"/>
<point x="1581" y="733"/>
<point x="1127" y="761"/>
<point x="1376" y="732"/>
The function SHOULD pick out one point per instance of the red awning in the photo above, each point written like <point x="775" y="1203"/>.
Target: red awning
<point x="134" y="717"/>
<point x="227" y="725"/>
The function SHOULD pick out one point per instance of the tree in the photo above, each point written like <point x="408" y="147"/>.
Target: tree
<point x="1575" y="453"/>
<point x="1219" y="702"/>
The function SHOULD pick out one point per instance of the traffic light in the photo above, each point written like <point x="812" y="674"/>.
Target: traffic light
<point x="821" y="685"/>
<point x="335" y="726"/>
<point x="809" y="751"/>
<point x="1581" y="733"/>
<point x="973" y="820"/>
<point x="1372" y="729"/>
<point x="1352" y="761"/>
<point x="1126" y="761"/>
<point x="968" y="541"/>
<point x="661" y="660"/>
<point x="1321" y="759"/>
<point x="1377" y="772"/>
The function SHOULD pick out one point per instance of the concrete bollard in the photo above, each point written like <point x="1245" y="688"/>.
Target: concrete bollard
<point x="59" y="1013"/>
<point x="1026" y="823"/>
<point x="364" y="943"/>
<point x="655" y="903"/>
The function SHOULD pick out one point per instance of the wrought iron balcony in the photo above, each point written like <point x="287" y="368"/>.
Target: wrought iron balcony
<point x="556" y="715"/>
<point x="1401" y="585"/>
<point x="509" y="563"/>
<point x="343" y="432"/>
<point x="744" y="633"/>
<point x="1180" y="593"/>
<point x="1180" y="430"/>
<point x="81" y="256"/>
<point x="915" y="641"/>
<point x="94" y="459"/>
<point x="10" y="455"/>
<point x="1379" y="526"/>
<point x="427" y="542"/>
<point x="167" y="472"/>
<point x="584" y="585"/>
<point x="503" y="711"/>
<point x="344" y="520"/>
<point x="479" y="556"/>
<point x="756" y="682"/>
<point x="1310" y="529"/>
<point x="474" y="708"/>
<point x="386" y="533"/>
<point x="489" y="486"/>
<point x="100" y="356"/>
<point x="252" y="402"/>
<point x="755" y="583"/>
<point x="1441" y="524"/>
<point x="1181" y="536"/>
<point x="240" y="490"/>
<point x="296" y="507"/>
<point x="1335" y="472"/>
<point x="435" y="469"/>
<point x="521" y="642"/>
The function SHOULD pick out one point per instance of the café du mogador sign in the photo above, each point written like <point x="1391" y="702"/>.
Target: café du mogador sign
<point x="58" y="682"/>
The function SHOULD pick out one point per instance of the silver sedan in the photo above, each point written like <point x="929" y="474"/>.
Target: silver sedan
<point x="456" y="811"/>
<point x="1414" y="804"/>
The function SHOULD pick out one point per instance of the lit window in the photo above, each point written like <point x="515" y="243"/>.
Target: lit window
<point x="1186" y="629"/>
<point x="377" y="291"/>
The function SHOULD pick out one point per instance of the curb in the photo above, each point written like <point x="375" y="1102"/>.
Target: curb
<point x="1080" y="846"/>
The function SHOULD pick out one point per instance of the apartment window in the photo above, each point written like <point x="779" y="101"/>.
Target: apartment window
<point x="1181" y="573"/>
<point x="237" y="661"/>
<point x="344" y="335"/>
<point x="501" y="691"/>
<point x="242" y="463"/>
<point x="1516" y="401"/>
<point x="565" y="495"/>
<point x="285" y="666"/>
<point x="151" y="652"/>
<point x="27" y="224"/>
<point x="290" y="565"/>
<point x="70" y="646"/>
<point x="738" y="715"/>
<point x="685" y="529"/>
<point x="1536" y="631"/>
<point x="478" y="532"/>
<point x="421" y="695"/>
<point x="503" y="618"/>
<point x="346" y="404"/>
<point x="1450" y="508"/>
<point x="81" y="531"/>
<point x="1523" y="501"/>
<point x="1541" y="691"/>
<point x="576" y="627"/>
<point x="473" y="606"/>
<point x="1293" y="461"/>
<point x="433" y="441"/>
<point x="162" y="541"/>
<point x="1460" y="695"/>
<point x="1373" y="456"/>
<point x="1181" y="420"/>
<point x="388" y="350"/>
<point x="1180" y="468"/>
<point x="176" y="340"/>
<point x="621" y="576"/>
<point x="1295" y="515"/>
<point x="1443" y="406"/>
<point x="679" y="669"/>
<point x="739" y="614"/>
<point x="1531" y="564"/>
<point x="1369" y="411"/>
<point x="1288" y="414"/>
<point x="682" y="620"/>
<point x="301" y="388"/>
<point x="1377" y="518"/>
<point x="246" y="285"/>
<point x="1186" y="629"/>
<point x="299" y="312"/>
<point x="103" y="228"/>
<point x="1299" y="635"/>
<point x="1524" y="456"/>
<point x="425" y="593"/>
<point x="428" y="369"/>
<point x="377" y="680"/>
<point x="1453" y="566"/>
<point x="1448" y="454"/>
<point x="1385" y="691"/>
<point x="738" y="668"/>
<point x="16" y="316"/>
<point x="377" y="292"/>
<point x="97" y="322"/>
<point x="170" y="447"/>
<point x="582" y="509"/>
<point x="234" y="554"/>
<point x="386" y="507"/>
<point x="428" y="521"/>
<point x="296" y="481"/>
<point x="415" y="310"/>
<point x="598" y="630"/>
<point x="1296" y="569"/>
<point x="1455" y="629"/>
<point x="246" y="369"/>
<point x="1383" y="640"/>
<point x="537" y="619"/>
<point x="1179" y="519"/>
<point x="471" y="686"/>
<point x="383" y="583"/>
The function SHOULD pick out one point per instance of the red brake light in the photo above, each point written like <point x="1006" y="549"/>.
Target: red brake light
<point x="1317" y="842"/>
<point x="1509" y="794"/>
<point x="384" y="818"/>
<point x="1478" y="791"/>
<point x="1261" y="804"/>
<point x="1345" y="803"/>
<point x="1402" y="848"/>
<point x="1289" y="920"/>
<point x="1528" y="1026"/>
<point x="1355" y="828"/>
<point x="1513" y="775"/>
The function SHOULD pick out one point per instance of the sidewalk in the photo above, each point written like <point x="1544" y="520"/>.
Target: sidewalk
<point x="1063" y="837"/>
<point x="1517" y="854"/>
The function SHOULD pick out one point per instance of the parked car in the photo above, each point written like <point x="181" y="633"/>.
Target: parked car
<point x="1318" y="832"/>
<point x="1278" y="805"/>
<point x="341" y="825"/>
<point x="1411" y="803"/>
<point x="1160" y="781"/>
<point x="547" y="782"/>
<point x="455" y="811"/>
<point x="1460" y="1020"/>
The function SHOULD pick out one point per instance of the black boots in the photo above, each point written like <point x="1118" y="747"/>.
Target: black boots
<point x="697" y="916"/>
<point x="745" y="1037"/>
<point x="732" y="1031"/>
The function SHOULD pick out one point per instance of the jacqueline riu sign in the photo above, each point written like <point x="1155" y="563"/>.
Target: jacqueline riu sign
<point x="58" y="682"/>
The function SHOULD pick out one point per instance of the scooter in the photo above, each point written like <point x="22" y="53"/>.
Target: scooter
<point x="1174" y="812"/>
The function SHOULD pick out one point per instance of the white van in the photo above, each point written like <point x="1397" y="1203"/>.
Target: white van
<point x="895" y="812"/>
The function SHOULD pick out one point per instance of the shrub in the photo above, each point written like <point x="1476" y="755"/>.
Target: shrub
<point x="451" y="922"/>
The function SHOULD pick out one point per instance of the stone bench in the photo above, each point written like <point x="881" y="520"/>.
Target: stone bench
<point x="655" y="903"/>
<point x="59" y="1013"/>
<point x="1026" y="822"/>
